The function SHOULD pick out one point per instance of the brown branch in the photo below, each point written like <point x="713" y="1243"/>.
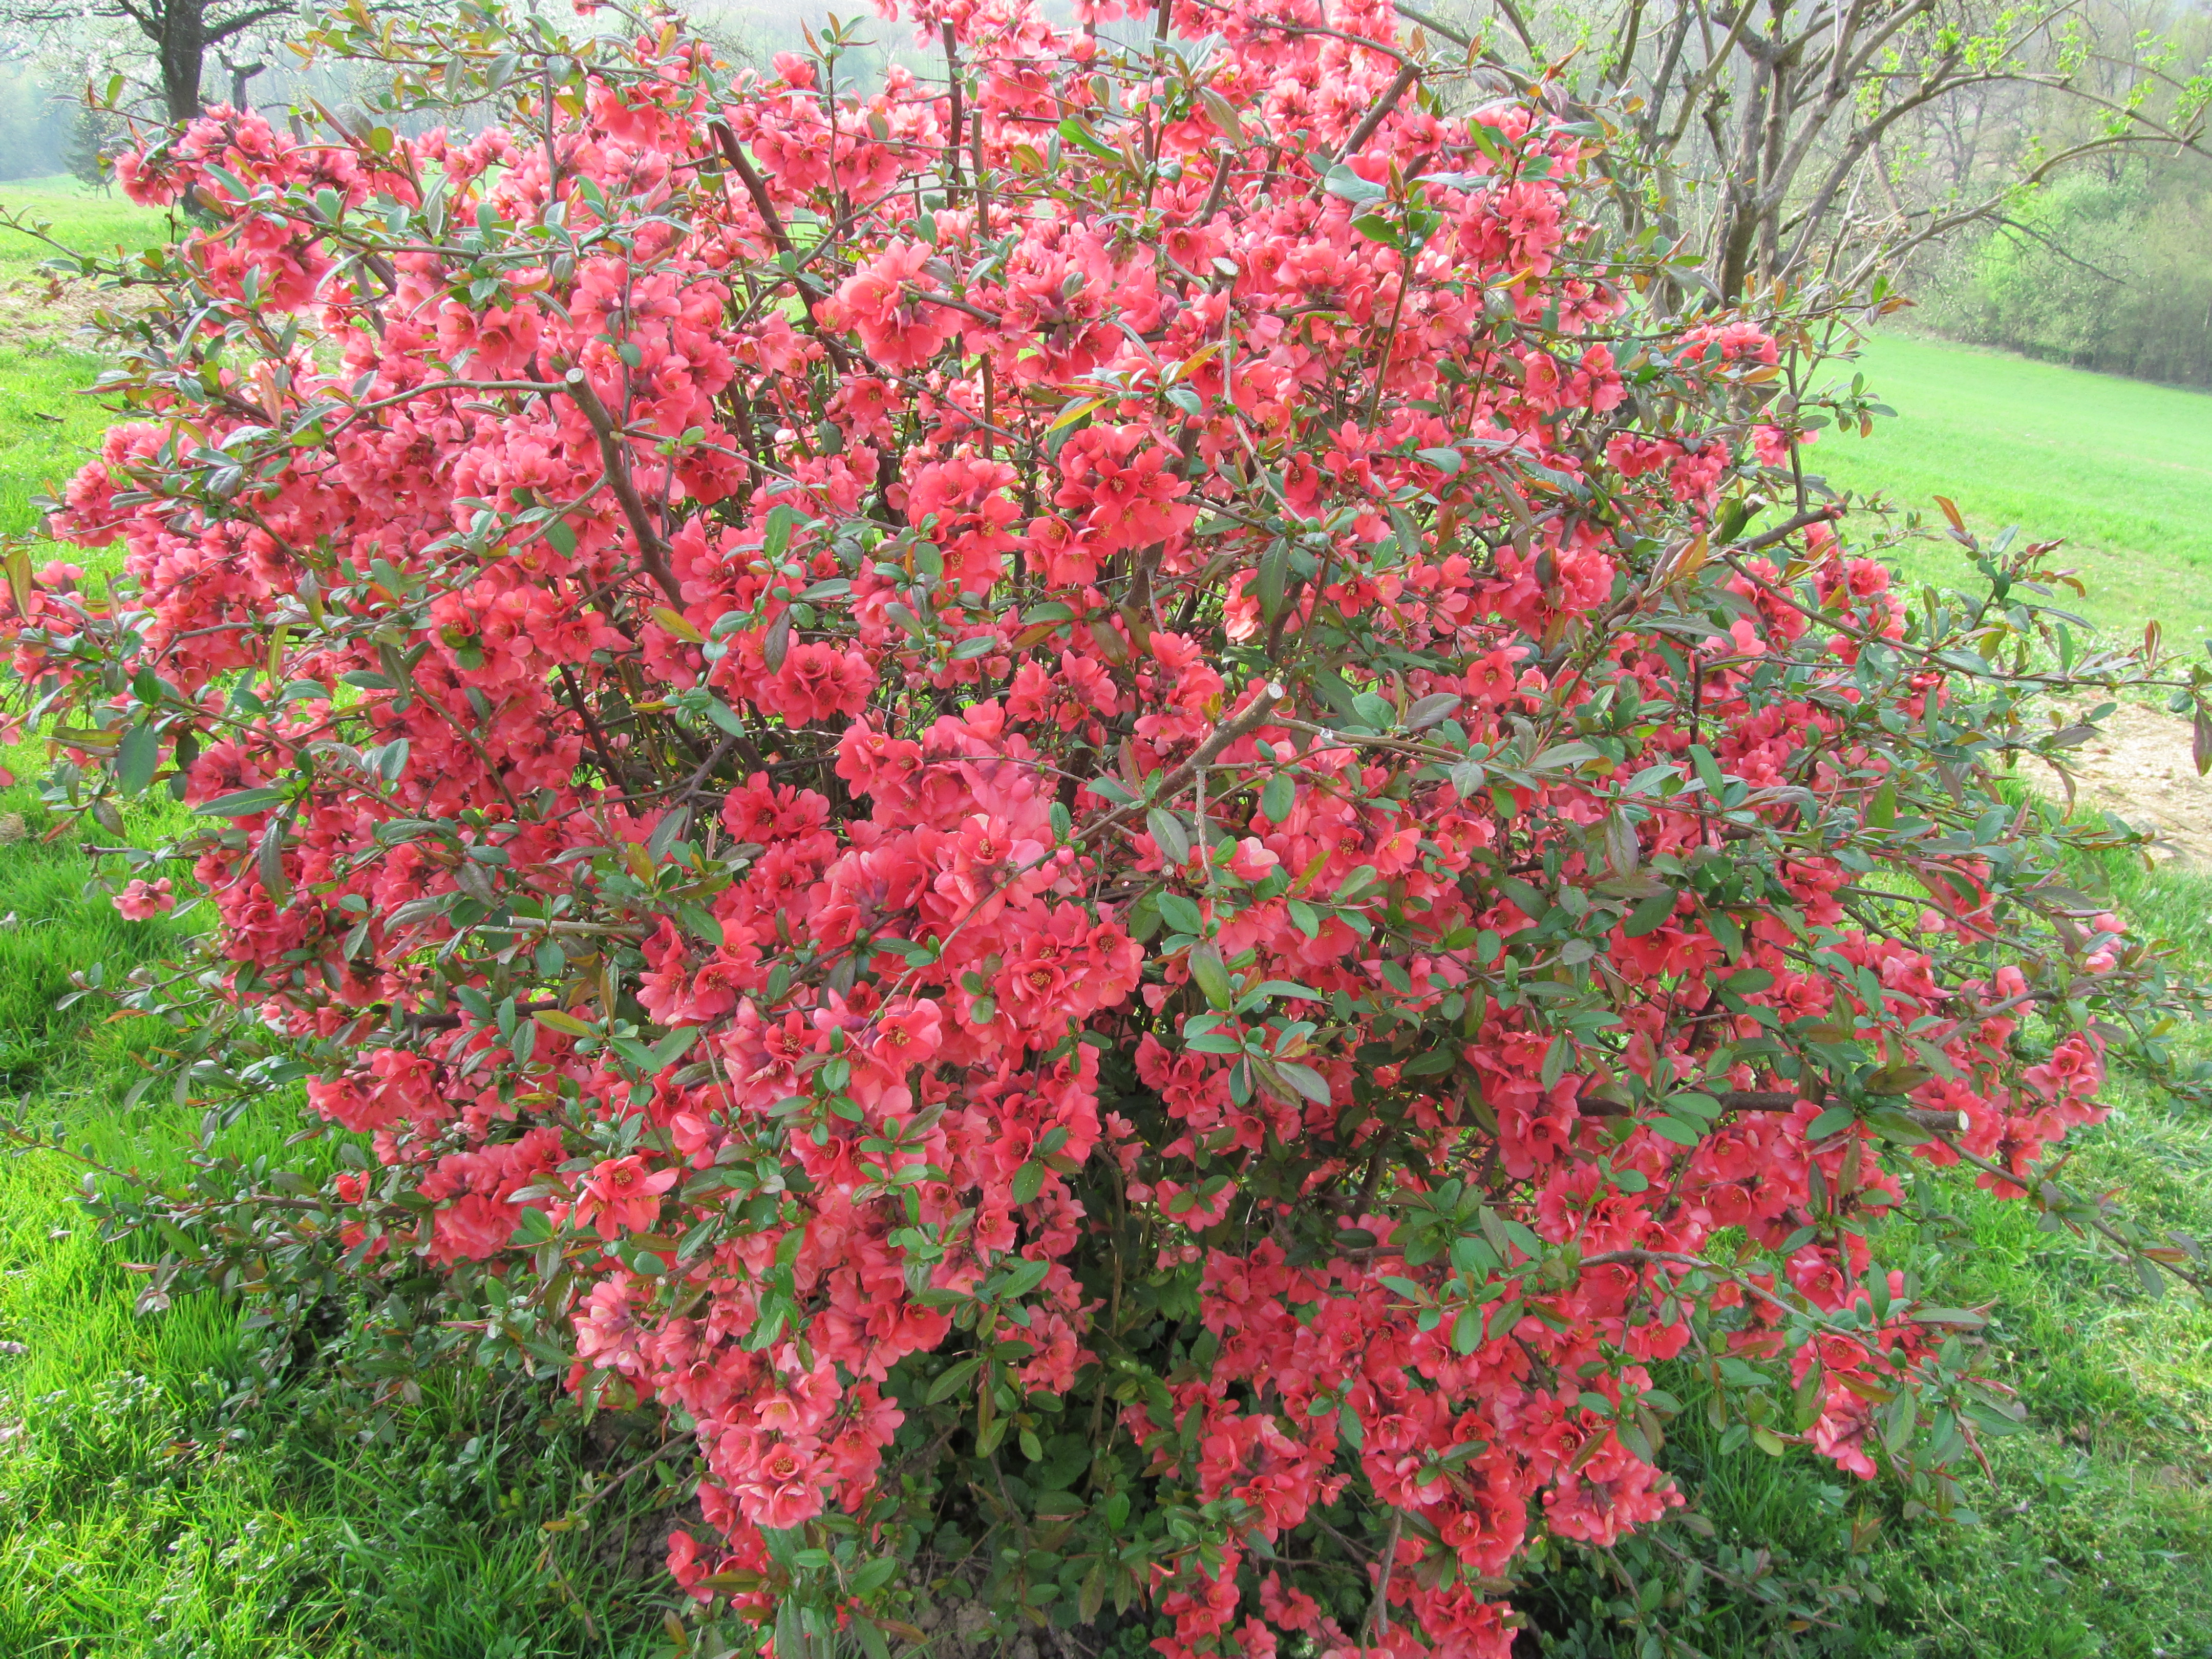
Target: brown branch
<point x="1258" y="715"/>
<point x="1376" y="116"/>
<point x="651" y="549"/>
<point x="772" y="222"/>
<point x="1782" y="532"/>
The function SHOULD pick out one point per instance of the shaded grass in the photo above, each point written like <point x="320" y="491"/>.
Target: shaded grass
<point x="2119" y="469"/>
<point x="138" y="1514"/>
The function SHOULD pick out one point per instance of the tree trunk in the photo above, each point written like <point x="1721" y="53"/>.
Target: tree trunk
<point x="184" y="53"/>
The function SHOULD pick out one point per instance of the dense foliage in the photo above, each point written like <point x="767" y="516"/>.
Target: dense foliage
<point x="1075" y="803"/>
<point x="2097" y="272"/>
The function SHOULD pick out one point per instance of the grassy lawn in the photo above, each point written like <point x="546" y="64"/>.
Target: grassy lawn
<point x="2121" y="470"/>
<point x="158" y="1497"/>
<point x="88" y="221"/>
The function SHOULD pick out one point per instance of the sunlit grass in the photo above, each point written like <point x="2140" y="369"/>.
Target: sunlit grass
<point x="83" y="221"/>
<point x="2120" y="469"/>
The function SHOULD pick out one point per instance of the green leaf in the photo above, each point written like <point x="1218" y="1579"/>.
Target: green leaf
<point x="136" y="761"/>
<point x="1343" y="182"/>
<point x="1834" y="1120"/>
<point x="1708" y="769"/>
<point x="269" y="859"/>
<point x="1379" y="227"/>
<point x="1949" y="1316"/>
<point x="241" y="803"/>
<point x="1022" y="1277"/>
<point x="1564" y="754"/>
<point x="1078" y="132"/>
<point x="1276" y="800"/>
<point x="1893" y="1123"/>
<point x="1373" y="711"/>
<point x="701" y="921"/>
<point x="1169" y="836"/>
<point x="1180" y="913"/>
<point x="1274" y="577"/>
<point x="1028" y="1181"/>
<point x="1211" y="974"/>
<point x="1897" y="1078"/>
<point x="776" y="535"/>
<point x="1882" y="812"/>
<point x="1430" y="710"/>
<point x="949" y="1380"/>
<point x="1073" y="410"/>
<point x="673" y="1046"/>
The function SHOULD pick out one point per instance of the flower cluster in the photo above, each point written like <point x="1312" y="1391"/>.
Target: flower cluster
<point x="1080" y="774"/>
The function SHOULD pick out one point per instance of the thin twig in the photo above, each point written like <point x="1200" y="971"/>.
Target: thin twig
<point x="1378" y="1621"/>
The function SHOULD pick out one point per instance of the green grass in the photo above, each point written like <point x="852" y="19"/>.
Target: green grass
<point x="2119" y="469"/>
<point x="47" y="427"/>
<point x="85" y="220"/>
<point x="139" y="1516"/>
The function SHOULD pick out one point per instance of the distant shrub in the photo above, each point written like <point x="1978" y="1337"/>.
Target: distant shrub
<point x="1079" y="811"/>
<point x="2096" y="271"/>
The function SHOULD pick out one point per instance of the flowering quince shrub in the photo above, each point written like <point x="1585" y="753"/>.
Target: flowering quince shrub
<point x="1072" y="801"/>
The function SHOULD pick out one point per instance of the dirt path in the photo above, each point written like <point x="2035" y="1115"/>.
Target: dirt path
<point x="2140" y="768"/>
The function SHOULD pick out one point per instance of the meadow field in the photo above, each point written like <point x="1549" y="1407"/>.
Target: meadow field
<point x="2119" y="470"/>
<point x="158" y="1497"/>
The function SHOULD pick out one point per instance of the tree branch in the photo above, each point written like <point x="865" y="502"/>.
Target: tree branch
<point x="652" y="551"/>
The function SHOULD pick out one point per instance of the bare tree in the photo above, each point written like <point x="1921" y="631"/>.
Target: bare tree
<point x="1777" y="129"/>
<point x="182" y="33"/>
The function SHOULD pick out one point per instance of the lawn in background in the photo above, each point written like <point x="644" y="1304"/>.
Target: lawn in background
<point x="2120" y="468"/>
<point x="85" y="220"/>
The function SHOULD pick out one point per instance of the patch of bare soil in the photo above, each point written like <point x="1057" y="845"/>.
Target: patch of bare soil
<point x="2139" y="767"/>
<point x="37" y="309"/>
